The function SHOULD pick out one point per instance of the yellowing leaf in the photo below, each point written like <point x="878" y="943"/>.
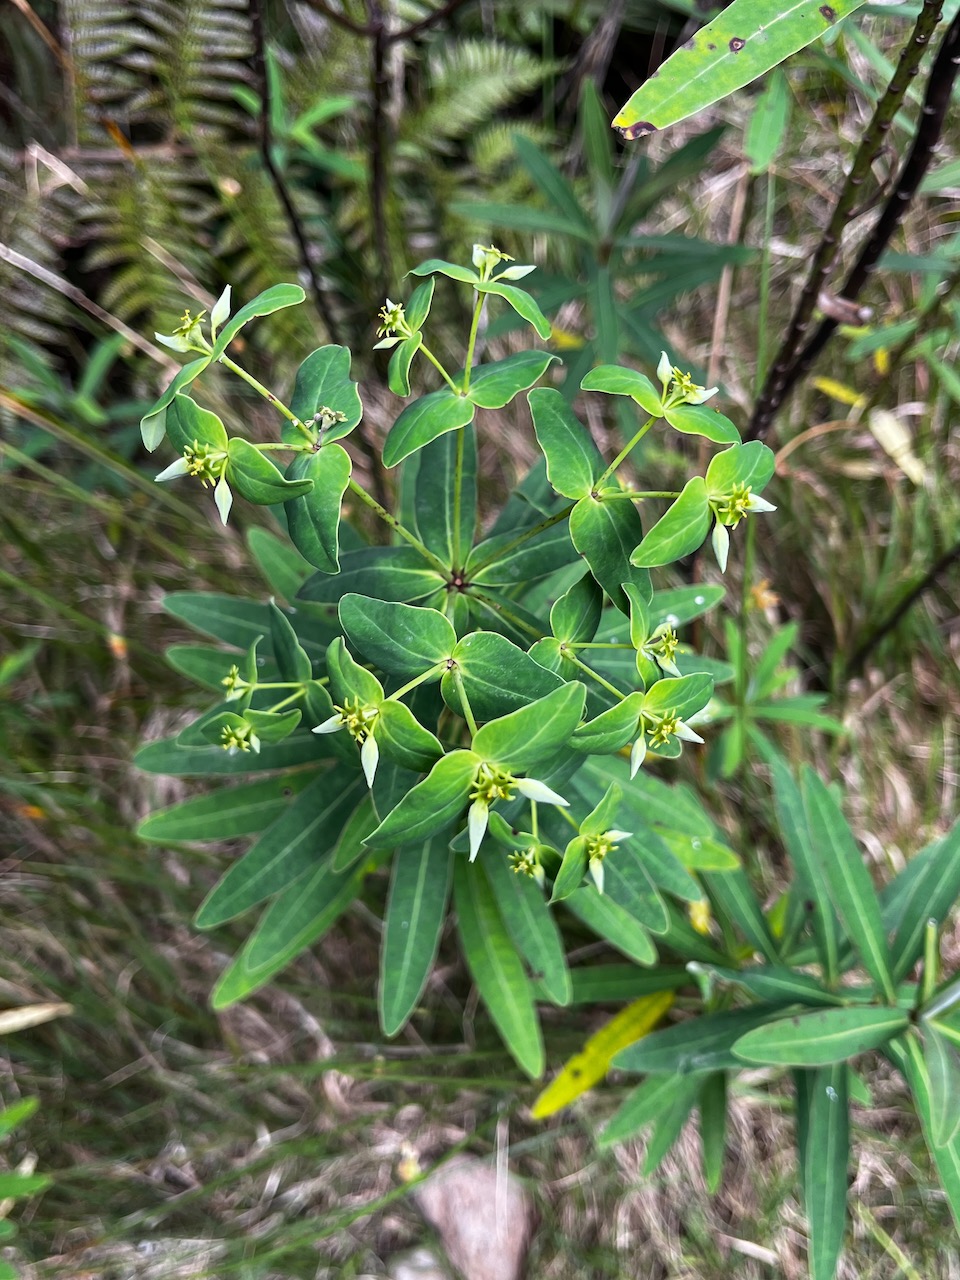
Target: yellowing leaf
<point x="837" y="391"/>
<point x="881" y="361"/>
<point x="896" y="441"/>
<point x="590" y="1065"/>
<point x="565" y="340"/>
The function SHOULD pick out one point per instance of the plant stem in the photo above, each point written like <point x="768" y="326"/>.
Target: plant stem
<point x="501" y="611"/>
<point x="292" y="698"/>
<point x="439" y="367"/>
<point x="624" y="452"/>
<point x="595" y="644"/>
<point x="434" y="561"/>
<point x="268" y="395"/>
<point x="589" y="671"/>
<point x="458" y="498"/>
<point x="472" y="342"/>
<point x="544" y="524"/>
<point x="412" y="684"/>
<point x="464" y="701"/>
<point x="291" y="448"/>
<point x="636" y="495"/>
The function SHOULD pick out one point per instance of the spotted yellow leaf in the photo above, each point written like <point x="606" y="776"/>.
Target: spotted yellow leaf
<point x="590" y="1065"/>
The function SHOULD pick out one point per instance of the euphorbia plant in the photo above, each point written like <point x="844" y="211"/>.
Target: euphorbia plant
<point x="479" y="709"/>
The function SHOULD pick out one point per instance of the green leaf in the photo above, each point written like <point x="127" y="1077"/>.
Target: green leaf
<point x="943" y="1071"/>
<point x="419" y="304"/>
<point x="734" y="896"/>
<point x="531" y="735"/>
<point x="256" y="478"/>
<point x="313" y="519"/>
<point x="603" y="816"/>
<point x="350" y="848"/>
<point x="224" y="814"/>
<point x="605" y="534"/>
<point x="628" y="883"/>
<point x="681" y="696"/>
<point x="292" y="659"/>
<point x="188" y="424"/>
<point x="14" y="1115"/>
<point x="348" y="679"/>
<point x="810" y="877"/>
<point x="522" y="302"/>
<point x="680" y="530"/>
<point x="848" y="880"/>
<point x="654" y="801"/>
<point x="494" y="385"/>
<point x="434" y="495"/>
<point x="612" y="729"/>
<point x="283" y="567"/>
<point x="495" y="966"/>
<point x="701" y="420"/>
<point x="304" y="835"/>
<point x="23" y="1184"/>
<point x="424" y="420"/>
<point x="907" y="1055"/>
<point x="700" y="853"/>
<point x="273" y="299"/>
<point x="610" y="921"/>
<point x="432" y="806"/>
<point x="826" y="1152"/>
<point x="575" y="617"/>
<point x="768" y="121"/>
<point x="574" y="462"/>
<point x="698" y="1044"/>
<point x="572" y="869"/>
<point x="532" y="560"/>
<point x="416" y="910"/>
<point x="230" y="619"/>
<point x="683" y="604"/>
<point x="738" y="46"/>
<point x="552" y="183"/>
<point x="398" y="370"/>
<point x="323" y="382"/>
<point x="167" y="756"/>
<point x="822" y="1037"/>
<point x="616" y="380"/>
<point x="603" y="983"/>
<point x="390" y="573"/>
<point x="750" y="464"/>
<point x="153" y="425"/>
<point x="400" y="638"/>
<point x="930" y="892"/>
<point x="450" y="269"/>
<point x="643" y="1106"/>
<point x="532" y="928"/>
<point x="498" y="676"/>
<point x="668" y="1125"/>
<point x="775" y="983"/>
<point x="713" y="1128"/>
<point x="402" y="738"/>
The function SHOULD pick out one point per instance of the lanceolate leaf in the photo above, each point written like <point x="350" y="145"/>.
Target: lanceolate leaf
<point x="848" y="880"/>
<point x="618" y="381"/>
<point x="292" y="659"/>
<point x="434" y="495"/>
<point x="531" y="926"/>
<point x="742" y="43"/>
<point x="496" y="967"/>
<point x="532" y="560"/>
<point x="701" y="420"/>
<point x="168" y="756"/>
<point x="391" y="573"/>
<point x="680" y="530"/>
<point x="527" y="737"/>
<point x="930" y="891"/>
<point x="432" y="806"/>
<point x="943" y="1070"/>
<point x="424" y="420"/>
<point x="402" y="738"/>
<point x="698" y="1044"/>
<point x="494" y="385"/>
<point x="610" y="921"/>
<point x="399" y="638"/>
<point x="574" y="462"/>
<point x="521" y="301"/>
<point x="498" y="676"/>
<point x="908" y="1056"/>
<point x="313" y="520"/>
<point x="822" y="1037"/>
<point x="304" y="835"/>
<point x="225" y="813"/>
<point x="153" y="425"/>
<point x="398" y="371"/>
<point x="826" y="1151"/>
<point x="416" y="909"/>
<point x="642" y="1107"/>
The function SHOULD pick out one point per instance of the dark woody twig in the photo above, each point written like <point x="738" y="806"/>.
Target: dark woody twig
<point x="785" y="368"/>
<point x="321" y="302"/>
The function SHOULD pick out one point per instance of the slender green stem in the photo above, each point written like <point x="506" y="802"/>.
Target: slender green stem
<point x="458" y="499"/>
<point x="534" y="821"/>
<point x="499" y="554"/>
<point x="471" y="344"/>
<point x="636" y="495"/>
<point x="277" y="684"/>
<point x="464" y="701"/>
<point x="401" y="530"/>
<point x="570" y="818"/>
<point x="594" y="675"/>
<point x="625" y="452"/>
<point x="439" y="367"/>
<point x="931" y="957"/>
<point x="412" y="684"/>
<point x="502" y="611"/>
<point x="290" y="448"/>
<point x="595" y="644"/>
<point x="284" y="701"/>
<point x="268" y="395"/>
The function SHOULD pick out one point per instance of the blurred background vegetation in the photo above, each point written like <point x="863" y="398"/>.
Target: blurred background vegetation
<point x="152" y="151"/>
